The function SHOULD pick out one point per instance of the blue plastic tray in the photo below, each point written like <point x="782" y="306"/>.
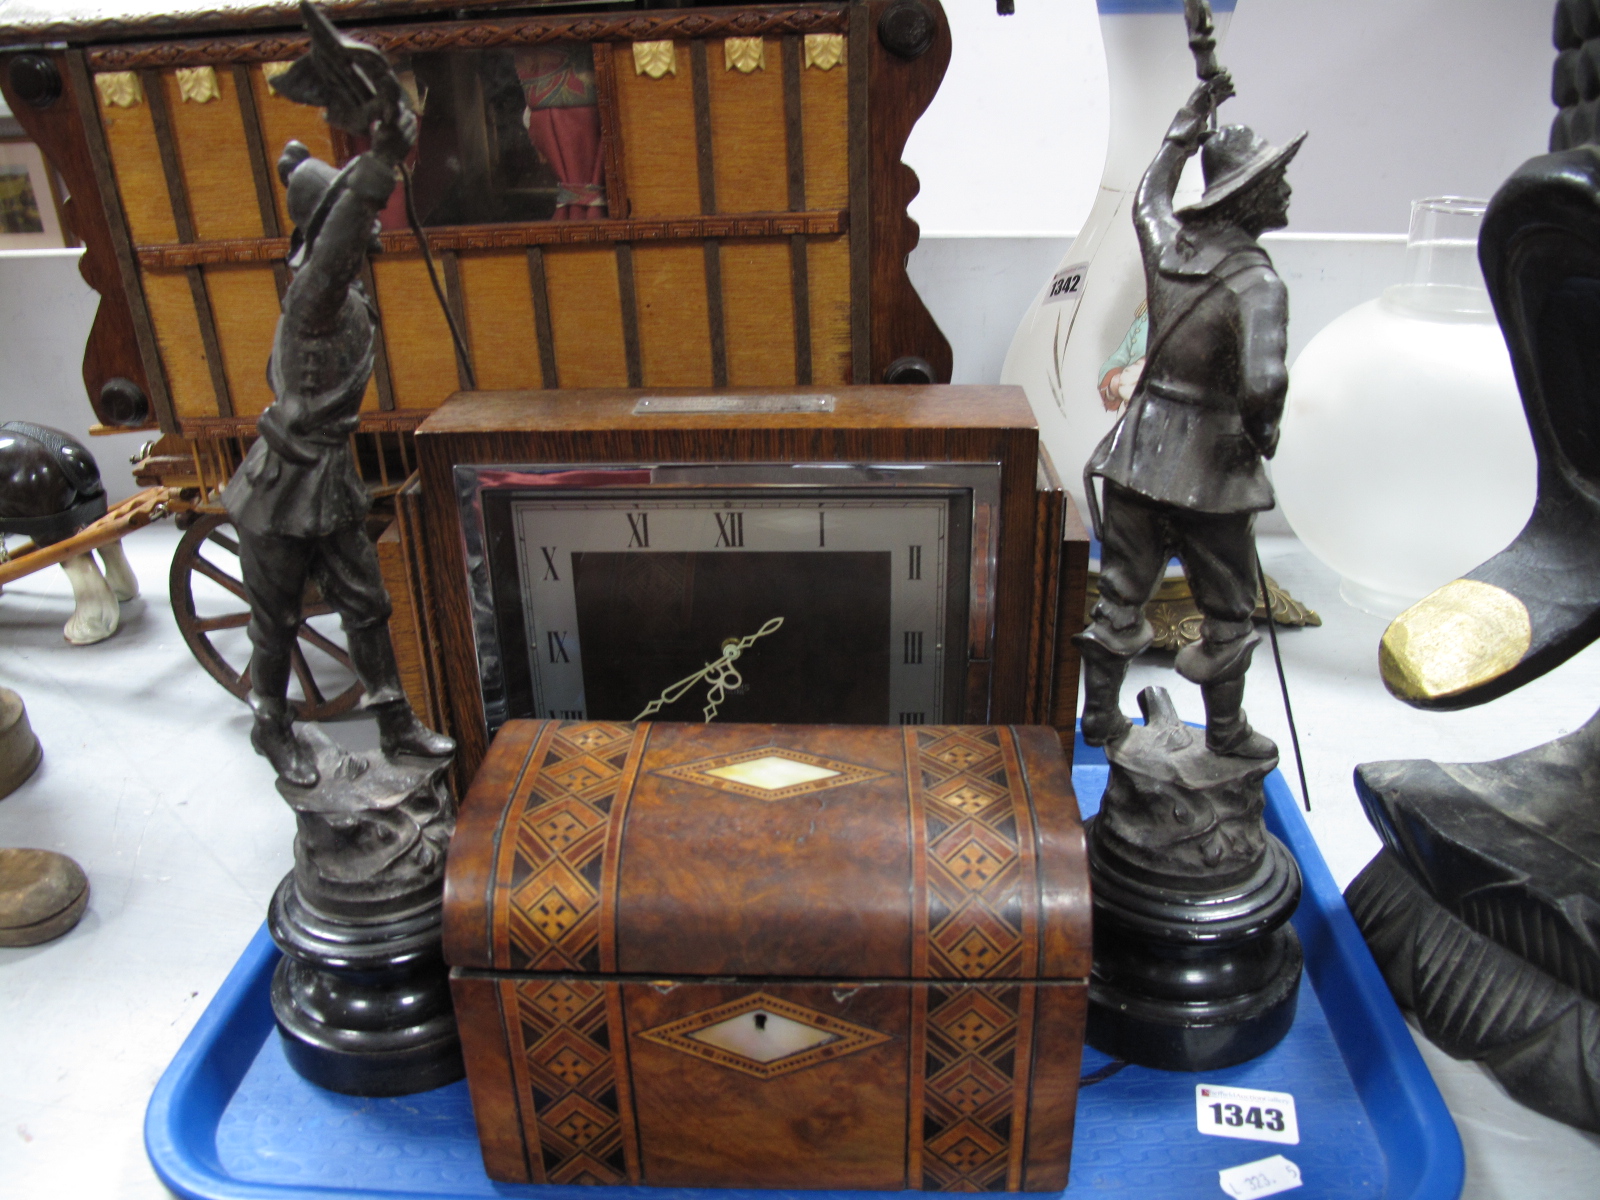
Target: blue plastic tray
<point x="231" y="1121"/>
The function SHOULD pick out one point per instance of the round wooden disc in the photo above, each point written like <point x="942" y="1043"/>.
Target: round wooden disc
<point x="42" y="895"/>
<point x="19" y="748"/>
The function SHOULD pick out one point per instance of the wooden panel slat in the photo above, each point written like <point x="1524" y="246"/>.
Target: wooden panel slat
<point x="747" y="124"/>
<point x="183" y="351"/>
<point x="586" y="317"/>
<point x="131" y="135"/>
<point x="282" y="121"/>
<point x="244" y="301"/>
<point x="422" y="359"/>
<point x="828" y="277"/>
<point x="658" y="138"/>
<point x="758" y="312"/>
<point x="215" y="158"/>
<point x="674" y="325"/>
<point x="825" y="107"/>
<point x="500" y="319"/>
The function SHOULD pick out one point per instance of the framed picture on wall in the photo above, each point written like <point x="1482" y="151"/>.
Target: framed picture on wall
<point x="29" y="216"/>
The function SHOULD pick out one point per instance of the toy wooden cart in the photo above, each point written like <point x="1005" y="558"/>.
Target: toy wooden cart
<point x="618" y="194"/>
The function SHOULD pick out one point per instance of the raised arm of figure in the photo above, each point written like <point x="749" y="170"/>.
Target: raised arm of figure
<point x="1152" y="205"/>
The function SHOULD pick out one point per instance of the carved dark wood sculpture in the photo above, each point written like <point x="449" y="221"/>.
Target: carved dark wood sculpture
<point x="1481" y="908"/>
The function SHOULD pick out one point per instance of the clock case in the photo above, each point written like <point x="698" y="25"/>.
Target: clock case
<point x="1022" y="666"/>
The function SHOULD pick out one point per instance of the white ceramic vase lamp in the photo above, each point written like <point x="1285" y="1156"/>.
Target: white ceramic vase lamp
<point x="1079" y="347"/>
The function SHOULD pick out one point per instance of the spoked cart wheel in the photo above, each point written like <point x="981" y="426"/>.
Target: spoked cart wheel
<point x="208" y="600"/>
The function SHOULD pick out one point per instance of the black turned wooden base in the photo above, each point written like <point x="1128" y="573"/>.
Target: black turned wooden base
<point x="1192" y="981"/>
<point x="1195" y="965"/>
<point x="364" y="1007"/>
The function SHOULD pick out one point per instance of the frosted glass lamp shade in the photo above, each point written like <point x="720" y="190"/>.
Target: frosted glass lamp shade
<point x="1405" y="458"/>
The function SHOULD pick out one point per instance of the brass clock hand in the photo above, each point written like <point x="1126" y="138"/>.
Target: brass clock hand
<point x="721" y="675"/>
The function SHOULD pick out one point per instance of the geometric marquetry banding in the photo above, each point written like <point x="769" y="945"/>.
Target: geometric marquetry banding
<point x="976" y="834"/>
<point x="567" y="1081"/>
<point x="553" y="849"/>
<point x="976" y="892"/>
<point x="764" y="1036"/>
<point x="972" y="1074"/>
<point x="771" y="773"/>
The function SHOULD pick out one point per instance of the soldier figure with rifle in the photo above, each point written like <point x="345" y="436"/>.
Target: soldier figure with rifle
<point x="1182" y="469"/>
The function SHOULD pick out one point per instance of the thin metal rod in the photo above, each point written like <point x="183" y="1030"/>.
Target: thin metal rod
<point x="1283" y="683"/>
<point x="462" y="356"/>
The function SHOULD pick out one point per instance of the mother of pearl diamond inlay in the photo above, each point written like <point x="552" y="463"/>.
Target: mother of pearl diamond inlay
<point x="764" y="1036"/>
<point x="771" y="773"/>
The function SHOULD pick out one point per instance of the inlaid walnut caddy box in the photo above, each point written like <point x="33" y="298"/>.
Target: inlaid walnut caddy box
<point x="791" y="956"/>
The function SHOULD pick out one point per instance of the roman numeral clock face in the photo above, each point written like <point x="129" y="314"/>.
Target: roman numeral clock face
<point x="844" y="604"/>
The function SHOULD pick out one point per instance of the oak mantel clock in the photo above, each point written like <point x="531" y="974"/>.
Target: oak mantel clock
<point x="871" y="555"/>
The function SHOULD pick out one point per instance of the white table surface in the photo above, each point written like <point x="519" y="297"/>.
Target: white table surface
<point x="149" y="782"/>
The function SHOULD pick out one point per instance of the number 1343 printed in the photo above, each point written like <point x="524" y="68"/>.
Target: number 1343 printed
<point x="1257" y="1116"/>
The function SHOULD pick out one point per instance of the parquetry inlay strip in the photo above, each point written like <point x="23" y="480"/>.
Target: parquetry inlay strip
<point x="968" y="1118"/>
<point x="755" y="773"/>
<point x="555" y="840"/>
<point x="568" y="1081"/>
<point x="980" y="876"/>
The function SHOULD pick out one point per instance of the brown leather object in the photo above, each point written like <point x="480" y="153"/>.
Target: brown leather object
<point x="771" y="956"/>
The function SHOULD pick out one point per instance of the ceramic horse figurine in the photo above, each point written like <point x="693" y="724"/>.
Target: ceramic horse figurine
<point x="50" y="489"/>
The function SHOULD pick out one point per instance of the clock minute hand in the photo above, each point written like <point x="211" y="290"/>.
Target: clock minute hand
<point x="722" y="675"/>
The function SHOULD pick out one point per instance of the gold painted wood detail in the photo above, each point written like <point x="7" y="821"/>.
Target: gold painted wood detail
<point x="197" y="85"/>
<point x="1458" y="637"/>
<point x="744" y="54"/>
<point x="824" y="51"/>
<point x="655" y="59"/>
<point x="119" y="89"/>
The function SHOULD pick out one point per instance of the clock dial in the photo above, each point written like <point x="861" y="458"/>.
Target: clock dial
<point x="605" y="595"/>
<point x="630" y="592"/>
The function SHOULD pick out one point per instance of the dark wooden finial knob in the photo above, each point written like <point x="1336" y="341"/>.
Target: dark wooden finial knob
<point x="34" y="79"/>
<point x="907" y="28"/>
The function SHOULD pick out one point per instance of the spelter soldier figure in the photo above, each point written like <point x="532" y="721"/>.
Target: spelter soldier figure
<point x="1182" y="469"/>
<point x="298" y="503"/>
